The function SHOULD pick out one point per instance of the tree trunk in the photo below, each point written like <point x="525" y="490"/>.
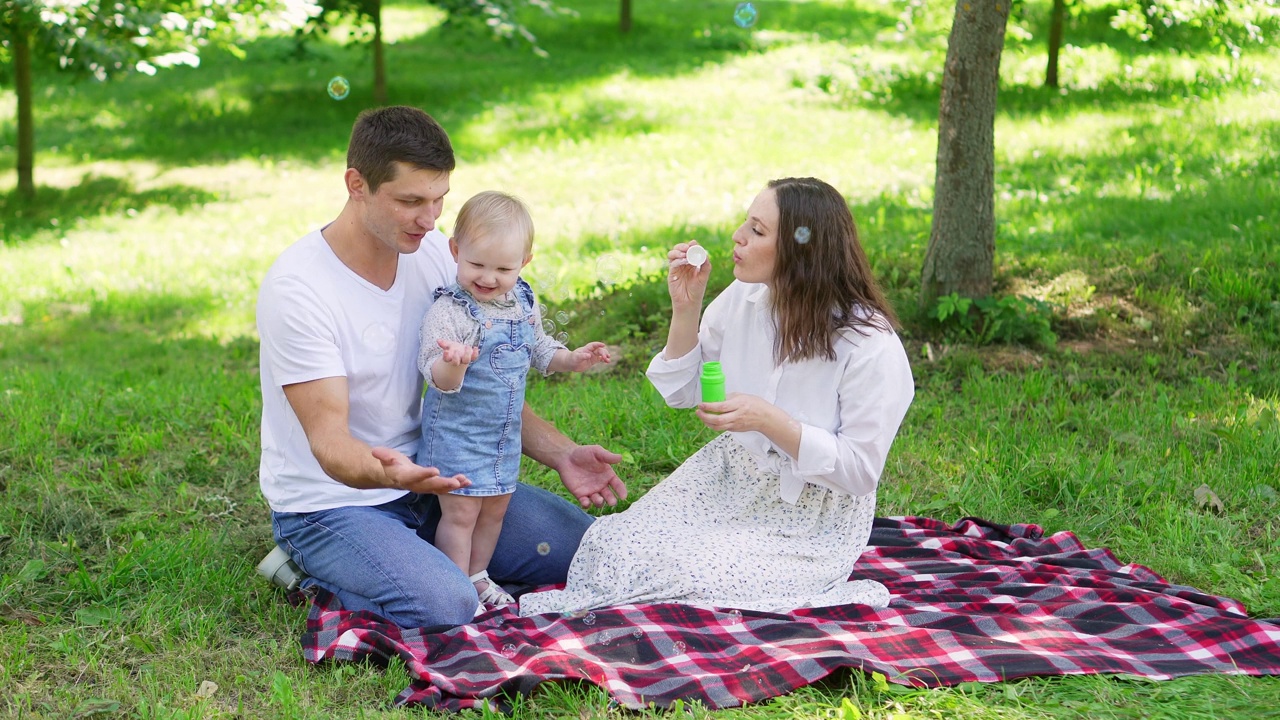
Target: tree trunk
<point x="961" y="254"/>
<point x="379" y="67"/>
<point x="26" y="126"/>
<point x="1055" y="42"/>
<point x="624" y="17"/>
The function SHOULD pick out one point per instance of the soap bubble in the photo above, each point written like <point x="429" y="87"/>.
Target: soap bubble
<point x="339" y="88"/>
<point x="544" y="548"/>
<point x="745" y="15"/>
<point x="562" y="317"/>
<point x="802" y="235"/>
<point x="549" y="326"/>
<point x="590" y="619"/>
<point x="735" y="617"/>
<point x="679" y="647"/>
<point x="636" y="634"/>
<point x="562" y="338"/>
<point x="379" y="338"/>
<point x="608" y="268"/>
<point x="508" y="650"/>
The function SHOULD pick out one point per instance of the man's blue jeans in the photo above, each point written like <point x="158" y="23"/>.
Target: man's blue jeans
<point x="381" y="559"/>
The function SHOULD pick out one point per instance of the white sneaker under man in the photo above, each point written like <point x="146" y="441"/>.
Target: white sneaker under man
<point x="280" y="570"/>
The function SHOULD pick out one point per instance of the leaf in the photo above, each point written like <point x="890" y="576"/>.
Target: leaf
<point x="849" y="711"/>
<point x="141" y="642"/>
<point x="207" y="689"/>
<point x="10" y="613"/>
<point x="1208" y="498"/>
<point x="33" y="570"/>
<point x="96" y="706"/>
<point x="95" y="616"/>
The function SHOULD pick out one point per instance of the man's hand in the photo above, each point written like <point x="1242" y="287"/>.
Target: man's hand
<point x="408" y="475"/>
<point x="587" y="472"/>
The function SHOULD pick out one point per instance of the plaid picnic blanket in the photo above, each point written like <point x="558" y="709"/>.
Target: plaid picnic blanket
<point x="973" y="601"/>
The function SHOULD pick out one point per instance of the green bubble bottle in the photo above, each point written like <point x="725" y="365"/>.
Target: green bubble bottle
<point x="712" y="382"/>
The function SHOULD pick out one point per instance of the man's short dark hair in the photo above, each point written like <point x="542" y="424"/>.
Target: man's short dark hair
<point x="384" y="136"/>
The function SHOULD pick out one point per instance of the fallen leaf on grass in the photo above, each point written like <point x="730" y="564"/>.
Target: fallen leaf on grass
<point x="96" y="706"/>
<point x="9" y="613"/>
<point x="1206" y="498"/>
<point x="207" y="689"/>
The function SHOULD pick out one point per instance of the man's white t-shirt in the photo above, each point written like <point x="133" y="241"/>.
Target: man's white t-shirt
<point x="316" y="319"/>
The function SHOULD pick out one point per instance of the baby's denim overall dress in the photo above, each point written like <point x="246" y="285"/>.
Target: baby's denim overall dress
<point x="476" y="431"/>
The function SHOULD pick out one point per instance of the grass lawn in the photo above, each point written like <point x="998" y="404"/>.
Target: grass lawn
<point x="1139" y="202"/>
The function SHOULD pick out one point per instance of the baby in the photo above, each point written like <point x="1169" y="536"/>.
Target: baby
<point x="479" y="339"/>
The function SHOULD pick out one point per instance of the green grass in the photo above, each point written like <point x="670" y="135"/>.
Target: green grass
<point x="1140" y="201"/>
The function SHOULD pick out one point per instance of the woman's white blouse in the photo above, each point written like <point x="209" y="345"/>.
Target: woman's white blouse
<point x="849" y="409"/>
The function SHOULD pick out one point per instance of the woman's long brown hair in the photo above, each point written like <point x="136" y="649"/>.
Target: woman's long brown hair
<point x="821" y="278"/>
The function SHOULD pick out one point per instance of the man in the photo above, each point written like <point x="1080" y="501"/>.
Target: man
<point x="338" y="314"/>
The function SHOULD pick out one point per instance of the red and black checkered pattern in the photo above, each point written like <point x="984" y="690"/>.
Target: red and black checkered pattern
<point x="971" y="602"/>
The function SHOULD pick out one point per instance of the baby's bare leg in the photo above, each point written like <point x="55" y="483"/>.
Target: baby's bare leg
<point x="458" y="524"/>
<point x="488" y="526"/>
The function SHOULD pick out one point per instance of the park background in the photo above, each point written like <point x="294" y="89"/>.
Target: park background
<point x="1132" y="400"/>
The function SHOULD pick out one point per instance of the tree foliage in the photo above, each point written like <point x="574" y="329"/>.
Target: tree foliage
<point x="1229" y="24"/>
<point x="101" y="38"/>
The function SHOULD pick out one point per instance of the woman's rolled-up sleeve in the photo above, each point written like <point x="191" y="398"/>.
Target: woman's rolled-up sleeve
<point x="875" y="388"/>
<point x="678" y="380"/>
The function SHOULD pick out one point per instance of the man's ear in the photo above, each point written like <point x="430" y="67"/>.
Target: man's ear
<point x="357" y="188"/>
<point x="453" y="248"/>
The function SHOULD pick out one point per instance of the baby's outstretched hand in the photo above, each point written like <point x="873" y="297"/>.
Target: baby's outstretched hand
<point x="456" y="353"/>
<point x="588" y="356"/>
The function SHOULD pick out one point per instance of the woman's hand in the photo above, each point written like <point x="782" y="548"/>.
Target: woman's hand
<point x="686" y="282"/>
<point x="741" y="412"/>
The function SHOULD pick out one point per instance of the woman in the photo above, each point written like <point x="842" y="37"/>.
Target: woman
<point x="772" y="514"/>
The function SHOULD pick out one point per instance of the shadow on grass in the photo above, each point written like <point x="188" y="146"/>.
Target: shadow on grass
<point x="914" y="94"/>
<point x="1164" y="190"/>
<point x="58" y="209"/>
<point x="113" y="401"/>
